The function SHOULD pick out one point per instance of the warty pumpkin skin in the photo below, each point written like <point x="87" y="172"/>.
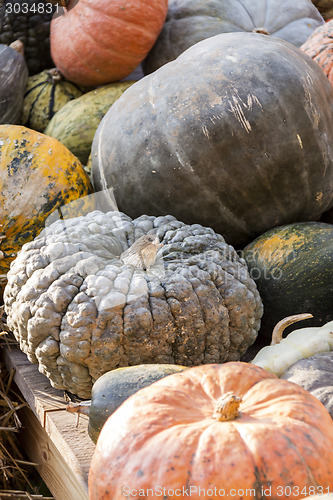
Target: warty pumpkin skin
<point x="319" y="46"/>
<point x="113" y="388"/>
<point x="208" y="128"/>
<point x="99" y="41"/>
<point x="233" y="427"/>
<point x="190" y="21"/>
<point x="13" y="78"/>
<point x="81" y="301"/>
<point x="38" y="175"/>
<point x="292" y="266"/>
<point x="315" y="374"/>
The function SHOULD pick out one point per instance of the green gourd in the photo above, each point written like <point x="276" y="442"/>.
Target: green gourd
<point x="114" y="387"/>
<point x="45" y="94"/>
<point x="75" y="123"/>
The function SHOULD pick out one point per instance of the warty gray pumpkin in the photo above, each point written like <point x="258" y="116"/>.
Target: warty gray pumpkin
<point x="80" y="304"/>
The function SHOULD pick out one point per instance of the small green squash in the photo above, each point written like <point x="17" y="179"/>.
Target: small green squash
<point x="114" y="387"/>
<point x="76" y="123"/>
<point x="292" y="266"/>
<point x="44" y="95"/>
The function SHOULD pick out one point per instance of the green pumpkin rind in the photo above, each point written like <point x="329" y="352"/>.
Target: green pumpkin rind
<point x="114" y="387"/>
<point x="76" y="123"/>
<point x="292" y="266"/>
<point x="45" y="94"/>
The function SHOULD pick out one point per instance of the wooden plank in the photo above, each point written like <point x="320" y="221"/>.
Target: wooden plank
<point x="51" y="439"/>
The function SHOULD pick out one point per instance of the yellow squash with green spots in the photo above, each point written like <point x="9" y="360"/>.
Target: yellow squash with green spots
<point x="75" y="123"/>
<point x="45" y="94"/>
<point x="292" y="266"/>
<point x="38" y="176"/>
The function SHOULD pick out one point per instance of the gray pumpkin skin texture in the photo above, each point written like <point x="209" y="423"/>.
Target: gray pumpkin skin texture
<point x="190" y="21"/>
<point x="315" y="374"/>
<point x="13" y="79"/>
<point x="78" y="311"/>
<point x="235" y="134"/>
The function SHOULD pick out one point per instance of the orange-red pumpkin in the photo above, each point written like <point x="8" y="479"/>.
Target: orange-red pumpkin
<point x="234" y="430"/>
<point x="319" y="46"/>
<point x="101" y="41"/>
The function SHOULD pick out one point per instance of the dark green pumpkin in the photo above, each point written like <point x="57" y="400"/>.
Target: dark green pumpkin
<point x="189" y="21"/>
<point x="45" y="94"/>
<point x="114" y="387"/>
<point x="292" y="266"/>
<point x="13" y="78"/>
<point x="235" y="134"/>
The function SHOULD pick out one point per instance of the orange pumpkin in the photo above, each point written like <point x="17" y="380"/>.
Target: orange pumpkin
<point x="232" y="430"/>
<point x="38" y="176"/>
<point x="319" y="46"/>
<point x="101" y="41"/>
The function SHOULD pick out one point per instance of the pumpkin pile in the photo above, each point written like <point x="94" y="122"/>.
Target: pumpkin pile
<point x="166" y="200"/>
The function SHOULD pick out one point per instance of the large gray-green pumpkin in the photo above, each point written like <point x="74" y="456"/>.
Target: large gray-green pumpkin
<point x="235" y="134"/>
<point x="80" y="304"/>
<point x="190" y="21"/>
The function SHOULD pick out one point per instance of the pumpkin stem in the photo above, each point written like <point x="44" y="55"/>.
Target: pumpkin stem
<point x="227" y="407"/>
<point x="261" y="30"/>
<point x="18" y="47"/>
<point x="142" y="254"/>
<point x="55" y="75"/>
<point x="82" y="408"/>
<point x="282" y="325"/>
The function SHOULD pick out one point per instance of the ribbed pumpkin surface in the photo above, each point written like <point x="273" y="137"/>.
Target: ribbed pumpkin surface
<point x="169" y="435"/>
<point x="319" y="46"/>
<point x="38" y="175"/>
<point x="44" y="95"/>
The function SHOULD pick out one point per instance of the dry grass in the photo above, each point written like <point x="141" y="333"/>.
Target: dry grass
<point x="19" y="478"/>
